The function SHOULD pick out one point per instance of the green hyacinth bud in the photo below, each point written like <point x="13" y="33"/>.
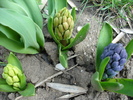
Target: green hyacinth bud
<point x="12" y="76"/>
<point x="63" y="24"/>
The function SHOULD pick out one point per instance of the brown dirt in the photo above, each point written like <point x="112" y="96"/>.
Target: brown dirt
<point x="40" y="66"/>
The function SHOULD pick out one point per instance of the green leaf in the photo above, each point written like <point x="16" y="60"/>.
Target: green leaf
<point x="2" y="81"/>
<point x="51" y="7"/>
<point x="128" y="86"/>
<point x="105" y="38"/>
<point x="63" y="57"/>
<point x="79" y="37"/>
<point x="112" y="86"/>
<point x="15" y="46"/>
<point x="59" y="4"/>
<point x="73" y="13"/>
<point x="102" y="67"/>
<point x="22" y="81"/>
<point x="39" y="36"/>
<point x="29" y="91"/>
<point x="50" y="29"/>
<point x="129" y="49"/>
<point x="6" y="88"/>
<point x="96" y="82"/>
<point x="13" y="6"/>
<point x="12" y="59"/>
<point x="35" y="12"/>
<point x="25" y="28"/>
<point x="11" y="34"/>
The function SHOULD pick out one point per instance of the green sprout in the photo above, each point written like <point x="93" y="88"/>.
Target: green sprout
<point x="60" y="27"/>
<point x="110" y="59"/>
<point x="21" y="26"/>
<point x="13" y="78"/>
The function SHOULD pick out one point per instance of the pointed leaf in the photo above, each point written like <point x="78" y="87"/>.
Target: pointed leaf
<point x="129" y="49"/>
<point x="128" y="86"/>
<point x="29" y="91"/>
<point x="102" y="67"/>
<point x="112" y="86"/>
<point x="96" y="82"/>
<point x="59" y="4"/>
<point x="15" y="46"/>
<point x="51" y="7"/>
<point x="63" y="57"/>
<point x="79" y="37"/>
<point x="35" y="12"/>
<point x="104" y="39"/>
<point x="73" y="13"/>
<point x="12" y="59"/>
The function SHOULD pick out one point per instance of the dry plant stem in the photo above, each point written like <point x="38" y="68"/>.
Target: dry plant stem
<point x="57" y="74"/>
<point x="43" y="4"/>
<point x="69" y="96"/>
<point x="118" y="37"/>
<point x="72" y="4"/>
<point x="72" y="56"/>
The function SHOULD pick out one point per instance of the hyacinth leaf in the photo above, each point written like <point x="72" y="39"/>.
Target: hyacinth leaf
<point x="29" y="91"/>
<point x="35" y="12"/>
<point x="13" y="6"/>
<point x="23" y="81"/>
<point x="51" y="7"/>
<point x="13" y="60"/>
<point x="26" y="27"/>
<point x="129" y="49"/>
<point x="79" y="37"/>
<point x="15" y="46"/>
<point x="6" y="88"/>
<point x="104" y="39"/>
<point x="59" y="4"/>
<point x="112" y="86"/>
<point x="40" y="36"/>
<point x="50" y="29"/>
<point x="96" y="82"/>
<point x="9" y="33"/>
<point x="63" y="57"/>
<point x="128" y="86"/>
<point x="2" y="81"/>
<point x="73" y="13"/>
<point x="102" y="67"/>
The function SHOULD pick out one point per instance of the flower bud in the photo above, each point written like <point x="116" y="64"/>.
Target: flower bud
<point x="63" y="24"/>
<point x="118" y="56"/>
<point x="12" y="76"/>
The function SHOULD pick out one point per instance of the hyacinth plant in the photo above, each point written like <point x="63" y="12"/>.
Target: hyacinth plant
<point x="110" y="60"/>
<point x="13" y="78"/>
<point x="21" y="26"/>
<point x="60" y="26"/>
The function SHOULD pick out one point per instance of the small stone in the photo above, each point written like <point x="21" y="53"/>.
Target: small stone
<point x="34" y="79"/>
<point x="11" y="96"/>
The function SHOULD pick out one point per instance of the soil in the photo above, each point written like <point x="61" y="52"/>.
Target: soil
<point x="40" y="66"/>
